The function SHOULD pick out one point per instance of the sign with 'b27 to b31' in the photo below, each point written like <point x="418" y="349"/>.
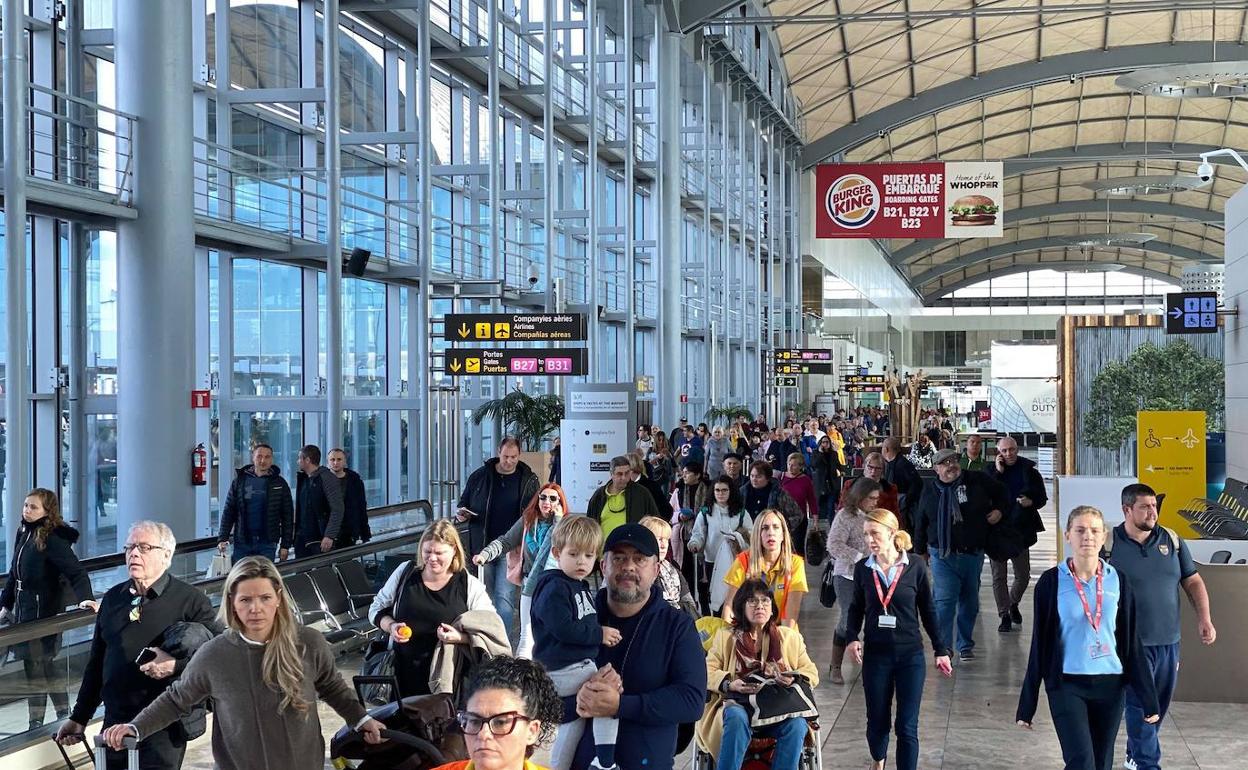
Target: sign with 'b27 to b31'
<point x="909" y="200"/>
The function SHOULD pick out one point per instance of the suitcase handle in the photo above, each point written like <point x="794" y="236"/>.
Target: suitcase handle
<point x="130" y="745"/>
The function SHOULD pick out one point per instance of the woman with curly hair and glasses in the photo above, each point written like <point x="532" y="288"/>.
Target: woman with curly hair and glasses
<point x="510" y="709"/>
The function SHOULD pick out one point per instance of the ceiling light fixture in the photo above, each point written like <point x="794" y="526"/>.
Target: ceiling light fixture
<point x="1164" y="184"/>
<point x="1121" y="240"/>
<point x="1223" y="80"/>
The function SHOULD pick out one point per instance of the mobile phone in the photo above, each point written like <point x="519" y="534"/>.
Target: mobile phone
<point x="145" y="657"/>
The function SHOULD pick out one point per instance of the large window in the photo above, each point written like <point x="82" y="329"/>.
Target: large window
<point x="268" y="330"/>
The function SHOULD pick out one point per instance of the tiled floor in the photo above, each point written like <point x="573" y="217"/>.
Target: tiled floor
<point x="967" y="722"/>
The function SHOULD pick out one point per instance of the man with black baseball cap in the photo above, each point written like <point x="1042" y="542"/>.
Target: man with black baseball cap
<point x="654" y="679"/>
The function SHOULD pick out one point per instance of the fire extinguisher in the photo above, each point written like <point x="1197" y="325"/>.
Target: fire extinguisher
<point x="199" y="465"/>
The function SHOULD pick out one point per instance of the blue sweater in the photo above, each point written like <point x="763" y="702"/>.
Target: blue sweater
<point x="565" y="621"/>
<point x="661" y="661"/>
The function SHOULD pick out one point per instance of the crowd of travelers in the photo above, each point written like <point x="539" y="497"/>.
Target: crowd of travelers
<point x="666" y="614"/>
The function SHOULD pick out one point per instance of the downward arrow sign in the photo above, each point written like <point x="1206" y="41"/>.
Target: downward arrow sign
<point x="463" y="330"/>
<point x="455" y="365"/>
<point x="1176" y="312"/>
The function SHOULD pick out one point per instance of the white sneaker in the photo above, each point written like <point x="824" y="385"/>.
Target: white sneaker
<point x="1129" y="764"/>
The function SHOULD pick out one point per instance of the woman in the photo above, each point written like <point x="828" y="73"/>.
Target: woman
<point x="717" y="535"/>
<point x="893" y="594"/>
<point x="771" y="559"/>
<point x="675" y="590"/>
<point x="923" y="452"/>
<point x="847" y="544"/>
<point x="717" y="448"/>
<point x="421" y="600"/>
<point x="737" y="443"/>
<point x="354" y="501"/>
<point x="264" y="676"/>
<point x="527" y="545"/>
<point x="799" y="486"/>
<point x="755" y="646"/>
<point x="826" y="472"/>
<point x="1085" y="648"/>
<point x="43" y="555"/>
<point x="510" y="709"/>
<point x="661" y="461"/>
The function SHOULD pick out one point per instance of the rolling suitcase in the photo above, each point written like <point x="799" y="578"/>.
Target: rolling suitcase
<point x="132" y="753"/>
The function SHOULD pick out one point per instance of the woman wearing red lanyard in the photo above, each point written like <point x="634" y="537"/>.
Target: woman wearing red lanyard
<point x="1085" y="649"/>
<point x="893" y="594"/>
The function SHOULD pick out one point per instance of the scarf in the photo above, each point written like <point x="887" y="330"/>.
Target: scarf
<point x="948" y="513"/>
<point x="748" y="659"/>
<point x="534" y="535"/>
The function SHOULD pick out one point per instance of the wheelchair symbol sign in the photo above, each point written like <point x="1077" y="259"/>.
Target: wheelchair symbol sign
<point x="1152" y="441"/>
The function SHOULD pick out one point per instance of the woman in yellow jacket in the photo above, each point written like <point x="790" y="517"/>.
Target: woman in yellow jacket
<point x="754" y="646"/>
<point x="511" y="708"/>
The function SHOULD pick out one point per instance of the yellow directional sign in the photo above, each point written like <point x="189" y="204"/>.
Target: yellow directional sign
<point x="463" y="331"/>
<point x="502" y="331"/>
<point x="455" y="366"/>
<point x="516" y="327"/>
<point x="482" y="331"/>
<point x="471" y="365"/>
<point x="1171" y="460"/>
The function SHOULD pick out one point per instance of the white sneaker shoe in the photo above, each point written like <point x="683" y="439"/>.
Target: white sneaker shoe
<point x="1129" y="764"/>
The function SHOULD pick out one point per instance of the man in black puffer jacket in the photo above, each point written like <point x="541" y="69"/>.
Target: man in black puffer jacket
<point x="258" y="510"/>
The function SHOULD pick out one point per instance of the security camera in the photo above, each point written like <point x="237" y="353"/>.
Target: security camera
<point x="533" y="276"/>
<point x="1205" y="171"/>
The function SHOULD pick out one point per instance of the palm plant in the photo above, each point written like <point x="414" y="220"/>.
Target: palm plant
<point x="726" y="414"/>
<point x="530" y="419"/>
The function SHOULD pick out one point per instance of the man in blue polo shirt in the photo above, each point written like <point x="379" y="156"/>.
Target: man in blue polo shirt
<point x="1157" y="562"/>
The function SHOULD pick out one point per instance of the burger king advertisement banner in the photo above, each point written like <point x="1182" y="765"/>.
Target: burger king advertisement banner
<point x="909" y="200"/>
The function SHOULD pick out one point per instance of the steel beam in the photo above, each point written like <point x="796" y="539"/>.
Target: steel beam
<point x="333" y="229"/>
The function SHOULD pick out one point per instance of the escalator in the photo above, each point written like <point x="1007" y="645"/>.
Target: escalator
<point x="396" y="531"/>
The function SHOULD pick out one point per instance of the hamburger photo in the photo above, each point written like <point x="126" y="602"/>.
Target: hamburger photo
<point x="974" y="211"/>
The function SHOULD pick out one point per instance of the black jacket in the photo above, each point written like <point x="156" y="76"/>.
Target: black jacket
<point x="661" y="501"/>
<point x="638" y="503"/>
<point x="111" y="676"/>
<point x="476" y="498"/>
<point x="34" y="589"/>
<point x="982" y="495"/>
<point x="826" y="471"/>
<point x="1025" y="520"/>
<point x="320" y="506"/>
<point x="279" y="511"/>
<point x="355" y="527"/>
<point x="901" y="473"/>
<point x="1045" y="662"/>
<point x="912" y="604"/>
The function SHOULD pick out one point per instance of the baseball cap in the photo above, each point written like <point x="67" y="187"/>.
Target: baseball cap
<point x="635" y="535"/>
<point x="945" y="455"/>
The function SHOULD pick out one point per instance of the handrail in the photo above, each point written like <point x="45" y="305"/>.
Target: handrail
<point x="67" y="621"/>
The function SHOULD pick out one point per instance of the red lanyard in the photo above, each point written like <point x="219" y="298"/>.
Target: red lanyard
<point x="1095" y="622"/>
<point x="879" y="590"/>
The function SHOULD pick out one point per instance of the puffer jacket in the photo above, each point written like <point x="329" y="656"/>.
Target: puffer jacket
<point x="279" y="511"/>
<point x="34" y="589"/>
<point x="716" y="450"/>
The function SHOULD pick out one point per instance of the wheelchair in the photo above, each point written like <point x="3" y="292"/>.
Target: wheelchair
<point x="760" y="750"/>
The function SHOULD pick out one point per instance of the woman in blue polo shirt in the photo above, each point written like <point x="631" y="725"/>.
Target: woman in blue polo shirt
<point x="1085" y="649"/>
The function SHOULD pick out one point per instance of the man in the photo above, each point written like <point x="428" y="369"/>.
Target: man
<point x="637" y="465"/>
<point x="258" y="510"/>
<point x="620" y="501"/>
<point x="683" y="446"/>
<point x="492" y="500"/>
<point x="973" y="459"/>
<point x="355" y="527"/>
<point x="733" y="464"/>
<point x="760" y="423"/>
<point x="1028" y="496"/>
<point x="1156" y="561"/>
<point x="873" y="468"/>
<point x="678" y="434"/>
<point x="761" y="492"/>
<point x="654" y="679"/>
<point x="900" y="472"/>
<point x="780" y="448"/>
<point x="134" y="616"/>
<point x="952" y="517"/>
<point x="319" y="504"/>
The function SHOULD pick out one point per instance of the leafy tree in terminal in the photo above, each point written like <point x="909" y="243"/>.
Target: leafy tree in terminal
<point x="723" y="415"/>
<point x="531" y="419"/>
<point x="1174" y="377"/>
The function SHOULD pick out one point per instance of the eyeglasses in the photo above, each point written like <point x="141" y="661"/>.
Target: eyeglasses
<point x="500" y="724"/>
<point x="875" y="467"/>
<point x="143" y="548"/>
<point x="758" y="601"/>
<point x="549" y="498"/>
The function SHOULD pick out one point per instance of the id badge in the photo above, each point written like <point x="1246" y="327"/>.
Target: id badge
<point x="888" y="621"/>
<point x="961" y="492"/>
<point x="1098" y="649"/>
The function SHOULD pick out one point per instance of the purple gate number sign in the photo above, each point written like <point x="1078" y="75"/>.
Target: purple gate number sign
<point x="524" y="365"/>
<point x="558" y="365"/>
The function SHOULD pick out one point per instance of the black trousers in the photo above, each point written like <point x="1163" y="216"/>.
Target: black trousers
<point x="1086" y="713"/>
<point x="160" y="751"/>
<point x="44" y="682"/>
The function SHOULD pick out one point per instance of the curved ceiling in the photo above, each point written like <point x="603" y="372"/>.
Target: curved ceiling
<point x="908" y="80"/>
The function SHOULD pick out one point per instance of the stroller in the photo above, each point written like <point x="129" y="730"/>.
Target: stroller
<point x="421" y="733"/>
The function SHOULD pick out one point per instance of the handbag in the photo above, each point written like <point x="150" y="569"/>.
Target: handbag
<point x="737" y="546"/>
<point x="220" y="566"/>
<point x="376" y="684"/>
<point x="775" y="703"/>
<point x="816" y="543"/>
<point x="827" y="586"/>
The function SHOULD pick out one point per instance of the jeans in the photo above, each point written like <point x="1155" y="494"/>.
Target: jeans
<point x="243" y="550"/>
<point x="1007" y="595"/>
<point x="1086" y="711"/>
<point x="790" y="735"/>
<point x="844" y="588"/>
<point x="957" y="577"/>
<point x="883" y="675"/>
<point x="502" y="593"/>
<point x="1142" y="743"/>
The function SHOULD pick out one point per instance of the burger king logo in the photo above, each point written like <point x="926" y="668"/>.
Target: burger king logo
<point x="852" y="201"/>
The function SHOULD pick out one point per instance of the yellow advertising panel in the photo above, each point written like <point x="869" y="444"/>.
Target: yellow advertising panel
<point x="1171" y="460"/>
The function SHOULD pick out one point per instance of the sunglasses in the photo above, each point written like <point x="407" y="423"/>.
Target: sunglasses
<point x="549" y="498"/>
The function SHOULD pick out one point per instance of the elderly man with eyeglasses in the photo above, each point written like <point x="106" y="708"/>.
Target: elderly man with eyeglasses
<point x="145" y="631"/>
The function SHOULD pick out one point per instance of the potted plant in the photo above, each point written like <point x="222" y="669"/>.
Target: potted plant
<point x="531" y="419"/>
<point x="724" y="415"/>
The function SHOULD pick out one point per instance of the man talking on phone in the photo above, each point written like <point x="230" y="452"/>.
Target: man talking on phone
<point x="1026" y="490"/>
<point x="493" y="499"/>
<point x="130" y="662"/>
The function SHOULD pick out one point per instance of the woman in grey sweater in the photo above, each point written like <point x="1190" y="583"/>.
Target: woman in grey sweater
<point x="264" y="675"/>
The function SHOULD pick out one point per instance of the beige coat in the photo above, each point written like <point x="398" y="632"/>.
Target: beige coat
<point x="719" y="666"/>
<point x="487" y="638"/>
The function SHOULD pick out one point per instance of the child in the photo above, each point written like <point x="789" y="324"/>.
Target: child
<point x="675" y="589"/>
<point x="567" y="635"/>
